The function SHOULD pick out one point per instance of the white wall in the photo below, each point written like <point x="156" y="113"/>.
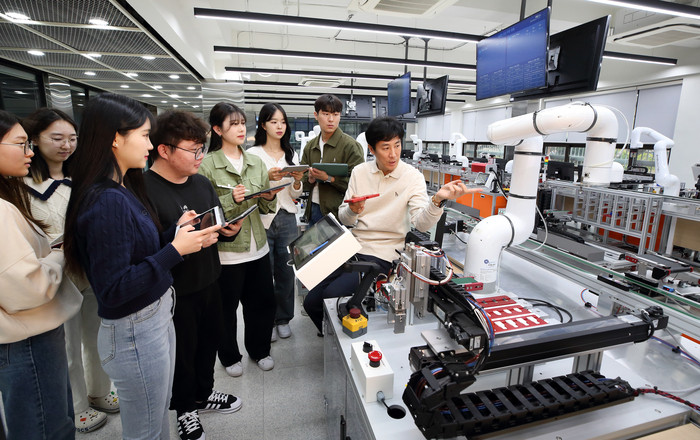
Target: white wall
<point x="686" y="136"/>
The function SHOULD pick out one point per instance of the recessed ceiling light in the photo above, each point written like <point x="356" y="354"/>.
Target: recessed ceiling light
<point x="80" y="105"/>
<point x="36" y="52"/>
<point x="98" y="22"/>
<point x="195" y="106"/>
<point x="17" y="16"/>
<point x="186" y="102"/>
<point x="81" y="94"/>
<point x="157" y="87"/>
<point x="174" y="96"/>
<point x="147" y="95"/>
<point x="200" y="96"/>
<point x="164" y="102"/>
<point x="148" y="57"/>
<point x="175" y="105"/>
<point x="94" y="55"/>
<point x="90" y="73"/>
<point x="19" y="92"/>
<point x="131" y="74"/>
<point x="190" y="88"/>
<point x="175" y="76"/>
<point x="124" y="86"/>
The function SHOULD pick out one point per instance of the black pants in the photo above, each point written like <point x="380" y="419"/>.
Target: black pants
<point x="198" y="326"/>
<point x="250" y="284"/>
<point x="337" y="284"/>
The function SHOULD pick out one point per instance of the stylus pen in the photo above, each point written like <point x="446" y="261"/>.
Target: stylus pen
<point x="230" y="187"/>
<point x="319" y="247"/>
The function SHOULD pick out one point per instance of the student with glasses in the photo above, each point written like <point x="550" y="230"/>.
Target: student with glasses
<point x="113" y="234"/>
<point x="54" y="135"/>
<point x="174" y="186"/>
<point x="35" y="301"/>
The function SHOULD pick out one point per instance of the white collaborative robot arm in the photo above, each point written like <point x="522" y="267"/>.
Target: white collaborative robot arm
<point x="670" y="182"/>
<point x="418" y="143"/>
<point x="456" y="143"/>
<point x="491" y="235"/>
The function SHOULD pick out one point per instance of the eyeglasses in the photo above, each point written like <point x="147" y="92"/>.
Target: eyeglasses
<point x="198" y="153"/>
<point x="59" y="142"/>
<point x="26" y="146"/>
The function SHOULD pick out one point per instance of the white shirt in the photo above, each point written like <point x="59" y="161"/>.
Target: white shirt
<point x="254" y="253"/>
<point x="314" y="192"/>
<point x="403" y="201"/>
<point x="285" y="198"/>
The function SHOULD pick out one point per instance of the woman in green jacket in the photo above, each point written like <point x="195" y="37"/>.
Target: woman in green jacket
<point x="246" y="275"/>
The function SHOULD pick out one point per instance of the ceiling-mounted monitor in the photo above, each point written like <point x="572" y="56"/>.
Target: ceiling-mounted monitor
<point x="514" y="59"/>
<point x="575" y="57"/>
<point x="356" y="107"/>
<point x="399" y="93"/>
<point x="431" y="97"/>
<point x="382" y="105"/>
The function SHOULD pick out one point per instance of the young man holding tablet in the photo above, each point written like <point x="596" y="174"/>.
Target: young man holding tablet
<point x="381" y="223"/>
<point x="332" y="146"/>
<point x="174" y="187"/>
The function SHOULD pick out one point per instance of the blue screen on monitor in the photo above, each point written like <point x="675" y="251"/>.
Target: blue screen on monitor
<point x="514" y="59"/>
<point x="399" y="91"/>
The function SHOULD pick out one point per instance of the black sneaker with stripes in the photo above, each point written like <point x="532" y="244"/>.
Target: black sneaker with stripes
<point x="220" y="402"/>
<point x="189" y="426"/>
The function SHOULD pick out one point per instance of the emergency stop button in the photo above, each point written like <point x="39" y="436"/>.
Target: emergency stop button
<point x="374" y="358"/>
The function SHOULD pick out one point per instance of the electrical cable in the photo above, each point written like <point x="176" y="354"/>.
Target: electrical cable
<point x="586" y="303"/>
<point x="556" y="308"/>
<point x="680" y="350"/>
<point x="457" y="236"/>
<point x="667" y="395"/>
<point x="546" y="230"/>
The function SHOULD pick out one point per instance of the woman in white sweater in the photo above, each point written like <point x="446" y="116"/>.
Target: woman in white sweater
<point x="273" y="147"/>
<point x="54" y="136"/>
<point x="35" y="301"/>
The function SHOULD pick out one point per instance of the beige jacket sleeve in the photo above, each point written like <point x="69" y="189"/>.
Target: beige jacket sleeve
<point x="30" y="272"/>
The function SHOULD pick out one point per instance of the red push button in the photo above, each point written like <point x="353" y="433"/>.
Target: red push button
<point x="374" y="358"/>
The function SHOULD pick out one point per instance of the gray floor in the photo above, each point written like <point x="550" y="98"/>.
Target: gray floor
<point x="285" y="403"/>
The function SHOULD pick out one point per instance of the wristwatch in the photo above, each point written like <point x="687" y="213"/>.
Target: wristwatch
<point x="439" y="204"/>
<point x="329" y="180"/>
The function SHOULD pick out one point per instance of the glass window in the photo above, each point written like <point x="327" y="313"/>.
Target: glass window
<point x="19" y="92"/>
<point x="623" y="157"/>
<point x="556" y="153"/>
<point x="576" y="155"/>
<point x="489" y="149"/>
<point x="79" y="99"/>
<point x="645" y="158"/>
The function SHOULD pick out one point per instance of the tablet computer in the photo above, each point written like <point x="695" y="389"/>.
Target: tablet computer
<point x="294" y="168"/>
<point x="211" y="217"/>
<point x="242" y="215"/>
<point x="333" y="169"/>
<point x="250" y="196"/>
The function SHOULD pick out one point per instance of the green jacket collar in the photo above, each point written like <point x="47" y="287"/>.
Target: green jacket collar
<point x="334" y="139"/>
<point x="221" y="161"/>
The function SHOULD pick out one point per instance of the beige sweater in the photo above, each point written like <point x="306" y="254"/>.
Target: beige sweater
<point x="33" y="299"/>
<point x="403" y="201"/>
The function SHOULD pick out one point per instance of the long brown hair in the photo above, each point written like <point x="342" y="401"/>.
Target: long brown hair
<point x="13" y="189"/>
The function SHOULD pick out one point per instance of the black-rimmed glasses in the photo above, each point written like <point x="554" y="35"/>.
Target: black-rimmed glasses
<point x="198" y="153"/>
<point x="26" y="146"/>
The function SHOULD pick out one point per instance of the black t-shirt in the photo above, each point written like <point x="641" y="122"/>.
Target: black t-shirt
<point x="170" y="200"/>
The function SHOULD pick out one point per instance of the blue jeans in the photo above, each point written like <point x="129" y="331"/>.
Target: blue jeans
<point x="283" y="231"/>
<point x="316" y="214"/>
<point x="138" y="354"/>
<point x="35" y="388"/>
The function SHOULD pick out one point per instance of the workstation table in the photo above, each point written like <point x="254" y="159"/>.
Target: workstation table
<point x="643" y="365"/>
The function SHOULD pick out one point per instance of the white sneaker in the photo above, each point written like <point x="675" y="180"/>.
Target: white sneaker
<point x="274" y="334"/>
<point x="108" y="403"/>
<point x="266" y="364"/>
<point x="90" y="420"/>
<point x="284" y="331"/>
<point x="235" y="370"/>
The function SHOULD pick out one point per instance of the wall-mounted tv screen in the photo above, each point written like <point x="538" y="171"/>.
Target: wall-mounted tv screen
<point x="382" y="105"/>
<point x="431" y="97"/>
<point x="357" y="107"/>
<point x="575" y="56"/>
<point x="399" y="92"/>
<point x="515" y="59"/>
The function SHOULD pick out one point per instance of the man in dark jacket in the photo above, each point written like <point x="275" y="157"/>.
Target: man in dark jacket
<point x="331" y="146"/>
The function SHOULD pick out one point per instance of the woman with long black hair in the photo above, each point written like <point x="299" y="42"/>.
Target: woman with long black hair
<point x="112" y="233"/>
<point x="54" y="135"/>
<point x="272" y="145"/>
<point x="35" y="301"/>
<point x="246" y="276"/>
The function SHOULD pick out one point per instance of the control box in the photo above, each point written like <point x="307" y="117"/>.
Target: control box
<point x="372" y="370"/>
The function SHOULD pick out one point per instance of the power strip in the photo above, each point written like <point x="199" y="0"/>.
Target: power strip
<point x="371" y="379"/>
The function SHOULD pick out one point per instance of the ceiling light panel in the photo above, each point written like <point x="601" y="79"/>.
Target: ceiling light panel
<point x="51" y="59"/>
<point x="14" y="36"/>
<point x="72" y="11"/>
<point x="102" y="40"/>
